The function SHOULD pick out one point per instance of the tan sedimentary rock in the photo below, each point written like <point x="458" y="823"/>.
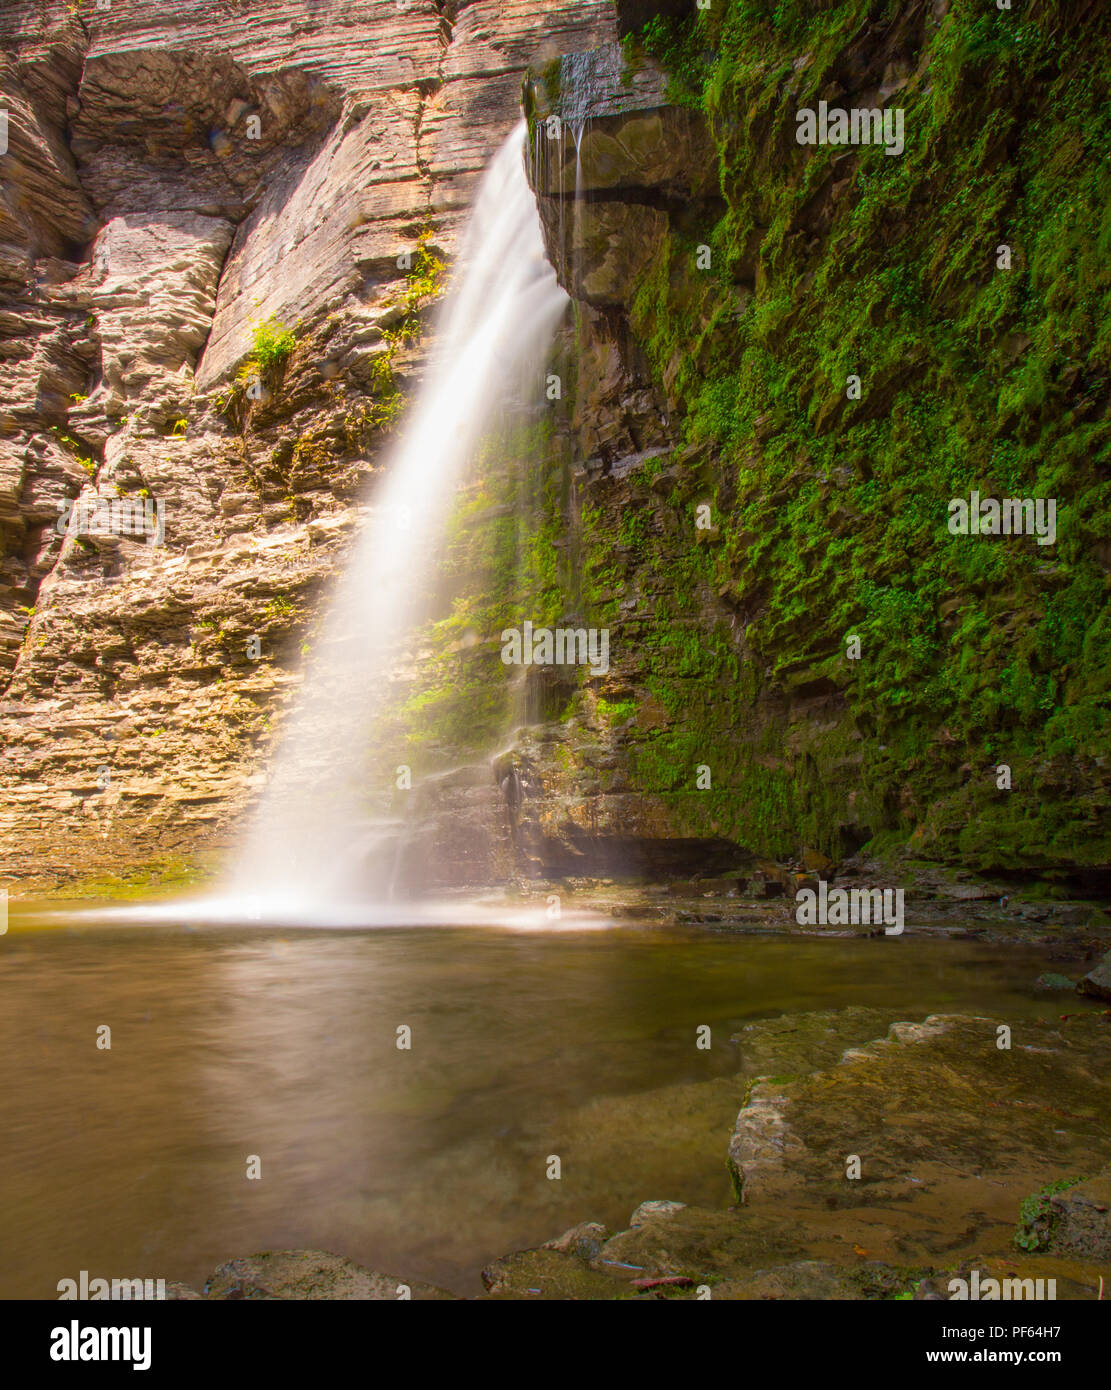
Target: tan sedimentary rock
<point x="174" y="175"/>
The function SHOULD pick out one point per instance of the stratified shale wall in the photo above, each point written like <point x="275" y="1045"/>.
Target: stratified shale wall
<point x="204" y="317"/>
<point x="798" y="362"/>
<point x="854" y="249"/>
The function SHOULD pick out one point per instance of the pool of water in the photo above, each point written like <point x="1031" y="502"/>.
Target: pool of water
<point x="228" y="1043"/>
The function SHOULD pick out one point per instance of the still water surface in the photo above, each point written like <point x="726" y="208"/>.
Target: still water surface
<point x="231" y="1042"/>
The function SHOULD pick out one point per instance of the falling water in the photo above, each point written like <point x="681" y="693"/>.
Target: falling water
<point x="312" y="838"/>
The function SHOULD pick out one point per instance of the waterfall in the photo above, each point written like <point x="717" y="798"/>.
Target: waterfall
<point x="311" y="838"/>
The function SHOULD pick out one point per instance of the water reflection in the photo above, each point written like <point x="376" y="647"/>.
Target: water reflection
<point x="423" y="1162"/>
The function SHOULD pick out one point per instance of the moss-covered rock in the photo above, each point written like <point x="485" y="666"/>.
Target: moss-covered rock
<point x="795" y="514"/>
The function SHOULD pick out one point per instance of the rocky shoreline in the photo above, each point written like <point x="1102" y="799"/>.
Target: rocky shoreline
<point x="925" y="1155"/>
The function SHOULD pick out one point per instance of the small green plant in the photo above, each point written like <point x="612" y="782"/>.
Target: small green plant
<point x="273" y="343"/>
<point x="426" y="279"/>
<point x="424" y="282"/>
<point x="272" y="346"/>
<point x="615" y="711"/>
<point x="278" y="607"/>
<point x="736" y="1181"/>
<point x="1036" y="1217"/>
<point x="76" y="448"/>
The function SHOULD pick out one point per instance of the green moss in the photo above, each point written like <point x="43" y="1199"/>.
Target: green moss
<point x="736" y="1181"/>
<point x="833" y="512"/>
<point x="165" y="877"/>
<point x="1037" y="1218"/>
<point x="551" y="75"/>
<point x="503" y="560"/>
<point x="615" y="711"/>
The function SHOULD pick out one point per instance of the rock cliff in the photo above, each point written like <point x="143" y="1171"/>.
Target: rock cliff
<point x="201" y="305"/>
<point x="182" y="187"/>
<point x="843" y="339"/>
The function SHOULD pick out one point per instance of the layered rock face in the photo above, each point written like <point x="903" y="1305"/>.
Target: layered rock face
<point x="174" y="179"/>
<point x="784" y="362"/>
<point x="791" y="360"/>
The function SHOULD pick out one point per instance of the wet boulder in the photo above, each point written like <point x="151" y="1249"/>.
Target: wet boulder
<point x="1098" y="981"/>
<point x="1074" y="1220"/>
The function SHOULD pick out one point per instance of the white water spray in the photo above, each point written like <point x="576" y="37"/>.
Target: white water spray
<point x="311" y="839"/>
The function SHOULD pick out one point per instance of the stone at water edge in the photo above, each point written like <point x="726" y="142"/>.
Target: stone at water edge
<point x="1098" y="981"/>
<point x="584" y="1241"/>
<point x="1075" y="1221"/>
<point x="549" y="1274"/>
<point x="649" y="1210"/>
<point x="310" y="1274"/>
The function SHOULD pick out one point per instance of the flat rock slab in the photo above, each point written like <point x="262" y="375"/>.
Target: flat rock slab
<point x="953" y="1135"/>
<point x="950" y="1132"/>
<point x="549" y="1274"/>
<point x="310" y="1274"/>
<point x="797" y="1044"/>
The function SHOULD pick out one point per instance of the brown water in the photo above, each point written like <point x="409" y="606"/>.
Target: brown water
<point x="423" y="1163"/>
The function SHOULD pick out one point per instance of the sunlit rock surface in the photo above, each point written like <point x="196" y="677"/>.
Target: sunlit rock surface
<point x="175" y="176"/>
<point x="173" y="180"/>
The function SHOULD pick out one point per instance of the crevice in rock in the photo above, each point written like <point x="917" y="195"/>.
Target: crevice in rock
<point x="34" y="298"/>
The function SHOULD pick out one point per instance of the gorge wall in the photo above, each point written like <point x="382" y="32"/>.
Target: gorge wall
<point x="182" y="190"/>
<point x="176" y="177"/>
<point x="845" y="340"/>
